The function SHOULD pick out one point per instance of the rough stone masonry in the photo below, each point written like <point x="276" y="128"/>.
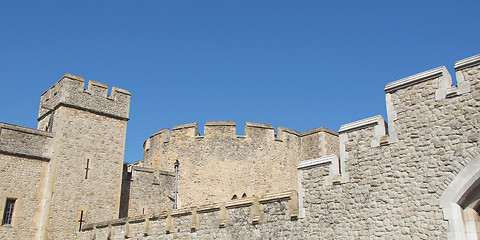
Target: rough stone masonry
<point x="415" y="178"/>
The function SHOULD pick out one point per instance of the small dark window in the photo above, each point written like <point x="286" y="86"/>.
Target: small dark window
<point x="234" y="197"/>
<point x="81" y="221"/>
<point x="8" y="213"/>
<point x="86" y="168"/>
<point x="244" y="195"/>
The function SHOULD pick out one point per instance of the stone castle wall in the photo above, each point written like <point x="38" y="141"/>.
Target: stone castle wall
<point x="24" y="152"/>
<point x="415" y="178"/>
<point x="221" y="165"/>
<point x="17" y="140"/>
<point x="98" y="140"/>
<point x="27" y="191"/>
<point x="145" y="190"/>
<point x="67" y="172"/>
<point x="251" y="217"/>
<point x="385" y="184"/>
<point x="89" y="131"/>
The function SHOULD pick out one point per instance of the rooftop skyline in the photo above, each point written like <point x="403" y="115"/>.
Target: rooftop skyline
<point x="299" y="65"/>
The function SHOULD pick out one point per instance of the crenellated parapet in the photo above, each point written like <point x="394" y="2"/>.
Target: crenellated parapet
<point x="246" y="163"/>
<point x="417" y="97"/>
<point x="319" y="140"/>
<point x="423" y="110"/>
<point x="252" y="212"/>
<point x="69" y="91"/>
<point x="212" y="129"/>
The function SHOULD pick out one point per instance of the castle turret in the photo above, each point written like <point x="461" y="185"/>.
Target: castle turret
<point x="84" y="175"/>
<point x="220" y="165"/>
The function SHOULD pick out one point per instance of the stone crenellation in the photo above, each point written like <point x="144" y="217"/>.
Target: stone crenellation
<point x="247" y="162"/>
<point x="414" y="176"/>
<point x="69" y="91"/>
<point x="212" y="129"/>
<point x="185" y="222"/>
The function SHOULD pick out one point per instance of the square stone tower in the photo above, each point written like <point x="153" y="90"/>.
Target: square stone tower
<point x="83" y="179"/>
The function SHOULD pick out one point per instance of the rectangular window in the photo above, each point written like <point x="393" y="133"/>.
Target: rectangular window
<point x="8" y="213"/>
<point x="87" y="168"/>
<point x="81" y="221"/>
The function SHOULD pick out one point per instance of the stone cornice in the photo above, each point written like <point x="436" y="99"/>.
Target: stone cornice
<point x="467" y="62"/>
<point x="26" y="130"/>
<point x="220" y="123"/>
<point x="360" y="124"/>
<point x="417" y="78"/>
<point x="186" y="125"/>
<point x="281" y="196"/>
<point x="316" y="161"/>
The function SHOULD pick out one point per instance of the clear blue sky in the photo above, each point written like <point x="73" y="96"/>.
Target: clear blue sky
<point x="297" y="64"/>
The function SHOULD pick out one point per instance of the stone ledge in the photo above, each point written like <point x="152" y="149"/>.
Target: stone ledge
<point x="25" y="142"/>
<point x="220" y="123"/>
<point x="166" y="173"/>
<point x="360" y="124"/>
<point x="86" y="109"/>
<point x="98" y="84"/>
<point x="186" y="125"/>
<point x="467" y="62"/>
<point x="417" y="78"/>
<point x="24" y="155"/>
<point x="120" y="90"/>
<point x="25" y="129"/>
<point x="143" y="169"/>
<point x="160" y="132"/>
<point x="279" y="131"/>
<point x="316" y="161"/>
<point x="286" y="195"/>
<point x="287" y="130"/>
<point x="258" y="125"/>
<point x="317" y="130"/>
<point x="71" y="76"/>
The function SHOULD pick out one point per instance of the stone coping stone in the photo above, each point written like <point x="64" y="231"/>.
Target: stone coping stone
<point x="417" y="78"/>
<point x="316" y="161"/>
<point x="317" y="130"/>
<point x="286" y="195"/>
<point x="220" y="123"/>
<point x="467" y="62"/>
<point x="186" y="125"/>
<point x="359" y="124"/>
<point x="259" y="125"/>
<point x="25" y="129"/>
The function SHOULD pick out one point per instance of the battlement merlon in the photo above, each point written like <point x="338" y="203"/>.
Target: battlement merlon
<point x="69" y="91"/>
<point x="212" y="129"/>
<point x="377" y="122"/>
<point x="215" y="128"/>
<point x="291" y="211"/>
<point x="464" y="73"/>
<point x="445" y="87"/>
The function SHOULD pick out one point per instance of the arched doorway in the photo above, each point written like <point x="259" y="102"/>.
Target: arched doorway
<point x="460" y="203"/>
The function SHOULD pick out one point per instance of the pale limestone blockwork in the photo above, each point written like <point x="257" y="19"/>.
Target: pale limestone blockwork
<point x="247" y="163"/>
<point x="417" y="178"/>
